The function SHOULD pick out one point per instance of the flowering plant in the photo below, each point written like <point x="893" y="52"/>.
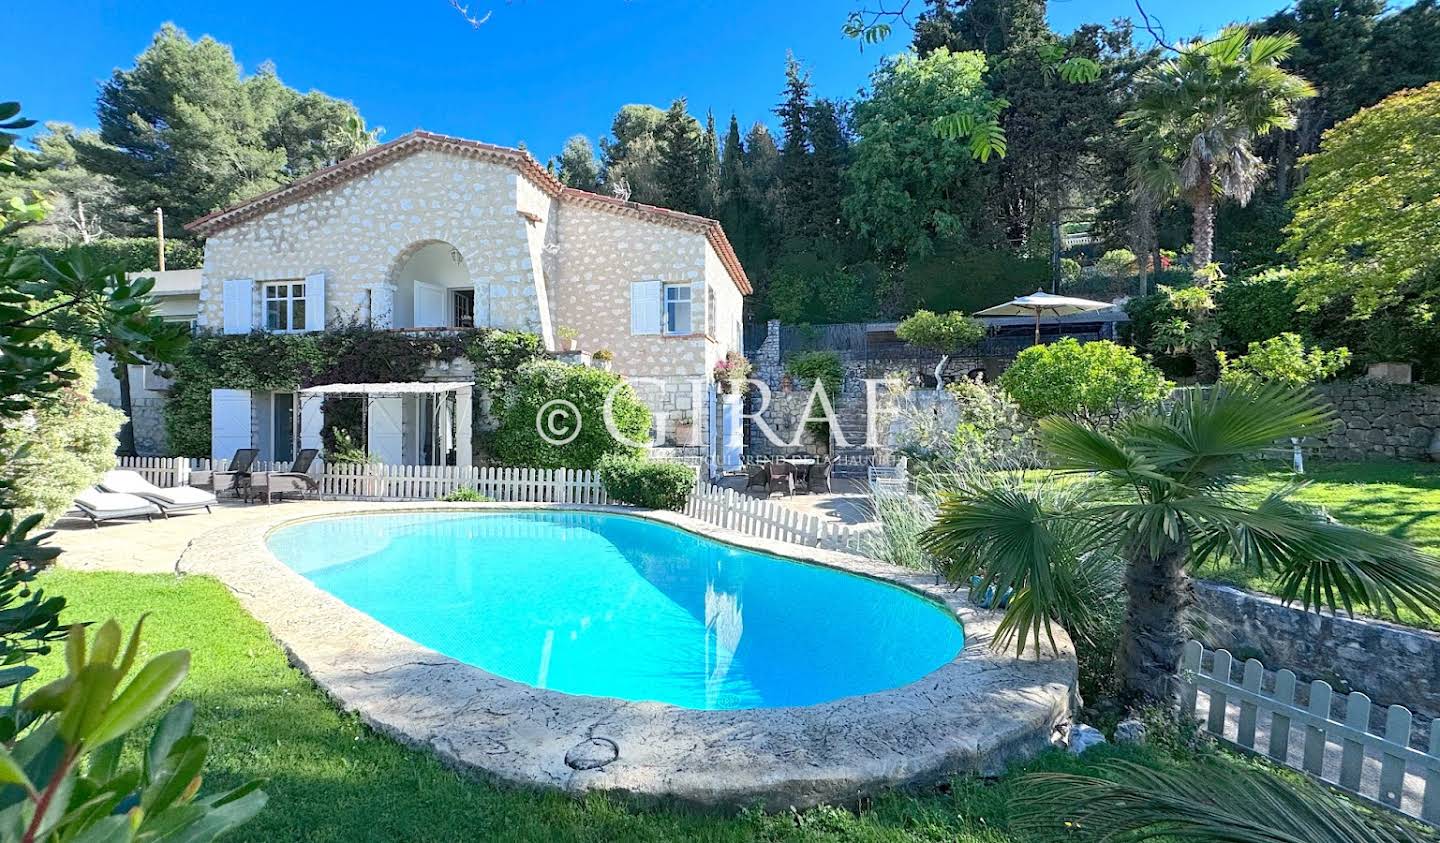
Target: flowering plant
<point x="733" y="373"/>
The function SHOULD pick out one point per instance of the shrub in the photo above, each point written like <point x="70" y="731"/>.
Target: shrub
<point x="537" y="387"/>
<point x="1117" y="263"/>
<point x="822" y="366"/>
<point x="134" y="254"/>
<point x="69" y="442"/>
<point x="943" y="333"/>
<point x="1069" y="270"/>
<point x="1282" y="359"/>
<point x="1256" y="308"/>
<point x="642" y="482"/>
<point x="1070" y="378"/>
<point x="465" y="494"/>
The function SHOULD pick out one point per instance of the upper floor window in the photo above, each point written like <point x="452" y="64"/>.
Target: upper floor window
<point x="284" y="303"/>
<point x="677" y="309"/>
<point x="711" y="326"/>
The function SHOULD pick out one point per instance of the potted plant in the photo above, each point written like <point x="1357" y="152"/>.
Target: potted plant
<point x="684" y="428"/>
<point x="604" y="358"/>
<point x="733" y="374"/>
<point x="569" y="336"/>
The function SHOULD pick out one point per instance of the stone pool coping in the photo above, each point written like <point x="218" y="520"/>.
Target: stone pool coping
<point x="975" y="714"/>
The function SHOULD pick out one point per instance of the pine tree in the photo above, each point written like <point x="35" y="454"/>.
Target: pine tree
<point x="794" y="165"/>
<point x="682" y="151"/>
<point x="710" y="167"/>
<point x="577" y="166"/>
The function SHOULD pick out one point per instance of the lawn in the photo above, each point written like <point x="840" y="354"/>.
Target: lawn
<point x="331" y="779"/>
<point x="1399" y="498"/>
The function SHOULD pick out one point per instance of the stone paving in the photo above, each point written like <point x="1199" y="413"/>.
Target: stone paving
<point x="977" y="713"/>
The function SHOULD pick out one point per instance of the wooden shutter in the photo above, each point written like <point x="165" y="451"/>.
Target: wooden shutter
<point x="312" y="419"/>
<point x="315" y="302"/>
<point x="386" y="431"/>
<point x="429" y="306"/>
<point x="230" y="413"/>
<point x="239" y="304"/>
<point x="646" y="307"/>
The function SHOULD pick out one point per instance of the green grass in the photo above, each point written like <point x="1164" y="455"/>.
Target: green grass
<point x="1399" y="498"/>
<point x="331" y="779"/>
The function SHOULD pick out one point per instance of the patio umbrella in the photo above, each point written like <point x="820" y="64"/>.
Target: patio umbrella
<point x="1039" y="303"/>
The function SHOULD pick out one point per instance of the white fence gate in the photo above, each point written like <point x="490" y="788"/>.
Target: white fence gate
<point x="764" y="519"/>
<point x="1380" y="767"/>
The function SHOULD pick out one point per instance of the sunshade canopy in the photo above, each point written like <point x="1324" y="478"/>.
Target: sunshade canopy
<point x="1043" y="304"/>
<point x="411" y="388"/>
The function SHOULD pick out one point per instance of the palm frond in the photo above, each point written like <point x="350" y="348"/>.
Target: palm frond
<point x="1073" y="446"/>
<point x="1036" y="543"/>
<point x="1207" y="430"/>
<point x="1320" y="562"/>
<point x="1213" y="802"/>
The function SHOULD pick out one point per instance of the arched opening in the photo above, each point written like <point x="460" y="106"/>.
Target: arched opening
<point x="433" y="289"/>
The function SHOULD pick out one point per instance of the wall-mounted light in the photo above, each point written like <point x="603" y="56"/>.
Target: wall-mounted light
<point x="455" y="256"/>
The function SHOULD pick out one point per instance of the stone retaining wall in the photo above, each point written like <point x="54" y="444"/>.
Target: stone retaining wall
<point x="1393" y="665"/>
<point x="1382" y="421"/>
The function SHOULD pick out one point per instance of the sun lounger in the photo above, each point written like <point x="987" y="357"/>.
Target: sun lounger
<point x="175" y="499"/>
<point x="103" y="506"/>
<point x="234" y="478"/>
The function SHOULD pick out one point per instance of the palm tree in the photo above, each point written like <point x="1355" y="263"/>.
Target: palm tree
<point x="1197" y="117"/>
<point x="1165" y="492"/>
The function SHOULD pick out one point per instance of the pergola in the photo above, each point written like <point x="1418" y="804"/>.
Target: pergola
<point x="448" y="416"/>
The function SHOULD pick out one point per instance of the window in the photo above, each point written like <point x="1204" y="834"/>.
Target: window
<point x="284" y="306"/>
<point x="710" y="323"/>
<point x="463" y="303"/>
<point x="677" y="309"/>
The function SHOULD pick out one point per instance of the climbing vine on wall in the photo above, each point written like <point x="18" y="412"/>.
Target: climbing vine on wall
<point x="282" y="362"/>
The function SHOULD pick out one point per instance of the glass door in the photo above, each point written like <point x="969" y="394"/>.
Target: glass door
<point x="282" y="431"/>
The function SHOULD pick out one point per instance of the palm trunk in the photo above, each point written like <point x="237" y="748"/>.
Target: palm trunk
<point x="1202" y="231"/>
<point x="1159" y="596"/>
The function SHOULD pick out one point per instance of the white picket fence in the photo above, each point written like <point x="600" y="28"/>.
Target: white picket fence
<point x="405" y="482"/>
<point x="1380" y="767"/>
<point x="764" y="519"/>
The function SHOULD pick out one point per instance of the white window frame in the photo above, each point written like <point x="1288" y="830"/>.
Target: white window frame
<point x="294" y="292"/>
<point x="665" y="303"/>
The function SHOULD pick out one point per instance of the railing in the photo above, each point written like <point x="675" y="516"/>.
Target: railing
<point x="405" y="482"/>
<point x="1377" y="766"/>
<point x="763" y="519"/>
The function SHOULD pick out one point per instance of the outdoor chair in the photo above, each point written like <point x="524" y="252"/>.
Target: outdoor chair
<point x="819" y="475"/>
<point x="779" y="474"/>
<point x="890" y="478"/>
<point x="296" y="481"/>
<point x="756" y="476"/>
<point x="176" y="499"/>
<point x="234" y="478"/>
<point x="104" y="506"/>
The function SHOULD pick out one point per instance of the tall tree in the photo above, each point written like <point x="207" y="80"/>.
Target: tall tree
<point x="794" y="165"/>
<point x="682" y="154"/>
<point x="1198" y="115"/>
<point x="631" y="155"/>
<point x="85" y="206"/>
<point x="823" y="187"/>
<point x="578" y="166"/>
<point x="182" y="130"/>
<point x="906" y="192"/>
<point x="710" y="167"/>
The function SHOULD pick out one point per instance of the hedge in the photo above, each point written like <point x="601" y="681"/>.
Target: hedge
<point x="135" y="254"/>
<point x="547" y="394"/>
<point x="642" y="482"/>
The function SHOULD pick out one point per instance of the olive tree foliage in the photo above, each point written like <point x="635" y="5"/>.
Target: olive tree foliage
<point x="942" y="333"/>
<point x="1366" y="214"/>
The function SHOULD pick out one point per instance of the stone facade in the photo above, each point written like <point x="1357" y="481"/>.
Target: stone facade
<point x="1382" y="421"/>
<point x="539" y="257"/>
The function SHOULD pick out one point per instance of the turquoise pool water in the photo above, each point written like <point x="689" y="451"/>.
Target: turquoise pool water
<point x="614" y="606"/>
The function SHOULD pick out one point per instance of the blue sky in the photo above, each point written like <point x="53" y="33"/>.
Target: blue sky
<point x="537" y="71"/>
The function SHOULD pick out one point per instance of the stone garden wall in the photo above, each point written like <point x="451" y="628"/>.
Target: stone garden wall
<point x="1382" y="421"/>
<point x="1394" y="665"/>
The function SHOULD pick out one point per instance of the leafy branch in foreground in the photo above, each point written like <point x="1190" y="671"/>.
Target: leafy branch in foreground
<point x="63" y="779"/>
<point x="1212" y="802"/>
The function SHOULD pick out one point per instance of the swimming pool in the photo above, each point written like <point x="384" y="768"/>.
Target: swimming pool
<point x="600" y="604"/>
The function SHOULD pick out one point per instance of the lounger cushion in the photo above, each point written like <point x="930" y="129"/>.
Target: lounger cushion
<point x="113" y="504"/>
<point x="129" y="482"/>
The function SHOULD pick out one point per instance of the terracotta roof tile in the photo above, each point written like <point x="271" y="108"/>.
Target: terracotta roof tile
<point x="418" y="141"/>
